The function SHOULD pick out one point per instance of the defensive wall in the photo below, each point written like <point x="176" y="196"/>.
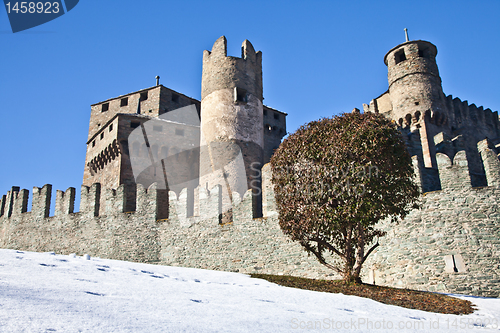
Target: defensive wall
<point x="450" y="244"/>
<point x="145" y="235"/>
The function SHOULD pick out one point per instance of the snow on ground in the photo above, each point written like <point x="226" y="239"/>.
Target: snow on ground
<point x="44" y="292"/>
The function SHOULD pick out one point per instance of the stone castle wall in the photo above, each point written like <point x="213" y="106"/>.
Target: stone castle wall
<point x="417" y="253"/>
<point x="451" y="244"/>
<point x="246" y="245"/>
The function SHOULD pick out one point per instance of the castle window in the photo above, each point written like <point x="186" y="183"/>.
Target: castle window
<point x="105" y="107"/>
<point x="93" y="143"/>
<point x="144" y="96"/>
<point x="423" y="53"/>
<point x="175" y="98"/>
<point x="240" y="95"/>
<point x="157" y="128"/>
<point x="276" y="116"/>
<point x="134" y="124"/>
<point x="164" y="152"/>
<point x="179" y="131"/>
<point x="124" y="101"/>
<point x="154" y="150"/>
<point x="102" y="135"/>
<point x="427" y="115"/>
<point x="400" y="56"/>
<point x="408" y="120"/>
<point x="110" y="127"/>
<point x="265" y="112"/>
<point x="135" y="149"/>
<point x="124" y="147"/>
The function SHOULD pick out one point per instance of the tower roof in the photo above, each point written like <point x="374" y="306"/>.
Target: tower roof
<point x="423" y="42"/>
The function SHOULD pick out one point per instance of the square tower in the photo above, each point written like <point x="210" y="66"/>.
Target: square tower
<point x="108" y="153"/>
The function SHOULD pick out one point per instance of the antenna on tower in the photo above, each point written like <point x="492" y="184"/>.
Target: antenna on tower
<point x="157" y="80"/>
<point x="406" y="35"/>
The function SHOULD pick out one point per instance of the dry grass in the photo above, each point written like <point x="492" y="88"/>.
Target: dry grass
<point x="411" y="299"/>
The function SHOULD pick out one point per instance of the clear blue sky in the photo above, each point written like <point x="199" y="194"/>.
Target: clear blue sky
<point x="320" y="58"/>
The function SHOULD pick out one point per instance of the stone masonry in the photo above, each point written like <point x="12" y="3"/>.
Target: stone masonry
<point x="432" y="122"/>
<point x="247" y="245"/>
<point x="232" y="118"/>
<point x="451" y="244"/>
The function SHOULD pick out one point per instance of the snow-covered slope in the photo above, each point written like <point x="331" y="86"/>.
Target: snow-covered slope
<point x="44" y="292"/>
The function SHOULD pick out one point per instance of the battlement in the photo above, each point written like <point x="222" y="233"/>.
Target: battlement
<point x="464" y="114"/>
<point x="151" y="202"/>
<point x="458" y="113"/>
<point x="460" y="217"/>
<point x="453" y="171"/>
<point x="223" y="72"/>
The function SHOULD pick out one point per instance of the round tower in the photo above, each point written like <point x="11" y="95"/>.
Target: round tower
<point x="415" y="92"/>
<point x="232" y="133"/>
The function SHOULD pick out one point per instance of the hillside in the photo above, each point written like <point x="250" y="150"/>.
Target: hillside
<point x="45" y="292"/>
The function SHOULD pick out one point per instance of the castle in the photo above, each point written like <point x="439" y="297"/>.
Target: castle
<point x="230" y="117"/>
<point x="227" y="220"/>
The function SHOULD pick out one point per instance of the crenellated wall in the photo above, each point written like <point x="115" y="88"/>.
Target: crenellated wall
<point x="146" y="235"/>
<point x="127" y="236"/>
<point x="450" y="244"/>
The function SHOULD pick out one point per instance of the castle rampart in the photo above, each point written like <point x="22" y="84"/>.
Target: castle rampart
<point x="146" y="235"/>
<point x="450" y="244"/>
<point x="458" y="222"/>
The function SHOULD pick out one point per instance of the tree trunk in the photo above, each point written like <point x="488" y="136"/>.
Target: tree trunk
<point x="349" y="262"/>
<point x="360" y="253"/>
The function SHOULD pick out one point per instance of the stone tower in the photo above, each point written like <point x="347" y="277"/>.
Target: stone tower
<point x="431" y="121"/>
<point x="415" y="92"/>
<point x="109" y="155"/>
<point x="232" y="131"/>
<point x="149" y="136"/>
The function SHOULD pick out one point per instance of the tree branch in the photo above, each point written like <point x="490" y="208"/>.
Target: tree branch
<point x="320" y="257"/>
<point x="327" y="245"/>
<point x="369" y="252"/>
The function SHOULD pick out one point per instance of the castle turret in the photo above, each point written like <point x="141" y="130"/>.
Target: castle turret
<point x="232" y="133"/>
<point x="416" y="94"/>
